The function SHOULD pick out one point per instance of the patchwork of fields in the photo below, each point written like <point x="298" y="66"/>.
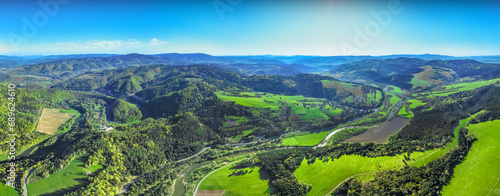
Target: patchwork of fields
<point x="304" y="109"/>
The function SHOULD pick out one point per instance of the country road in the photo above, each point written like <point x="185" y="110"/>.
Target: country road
<point x="125" y="188"/>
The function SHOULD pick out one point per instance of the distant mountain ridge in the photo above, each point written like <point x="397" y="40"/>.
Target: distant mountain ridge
<point x="67" y="66"/>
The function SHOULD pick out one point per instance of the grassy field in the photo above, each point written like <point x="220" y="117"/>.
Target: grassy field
<point x="7" y="190"/>
<point x="414" y="103"/>
<point x="479" y="174"/>
<point x="305" y="138"/>
<point x="419" y="83"/>
<point x="52" y="119"/>
<point x="63" y="179"/>
<point x="455" y="88"/>
<point x="324" y="176"/>
<point x="246" y="181"/>
<point x="394" y="99"/>
<point x="404" y="112"/>
<point x="397" y="90"/>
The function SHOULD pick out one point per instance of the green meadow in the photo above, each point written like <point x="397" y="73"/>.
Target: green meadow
<point x="246" y="181"/>
<point x="397" y="90"/>
<point x="414" y="103"/>
<point x="324" y="176"/>
<point x="394" y="99"/>
<point x="305" y="138"/>
<point x="419" y="83"/>
<point x="479" y="173"/>
<point x="404" y="112"/>
<point x="245" y="133"/>
<point x="63" y="179"/>
<point x="7" y="190"/>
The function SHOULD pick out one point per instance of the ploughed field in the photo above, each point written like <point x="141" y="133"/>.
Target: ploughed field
<point x="381" y="133"/>
<point x="52" y="119"/>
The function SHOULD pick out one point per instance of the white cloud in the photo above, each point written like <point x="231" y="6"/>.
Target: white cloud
<point x="154" y="45"/>
<point x="155" y="42"/>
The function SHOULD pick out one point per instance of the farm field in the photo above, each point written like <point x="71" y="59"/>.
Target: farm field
<point x="414" y="103"/>
<point x="246" y="181"/>
<point x="381" y="133"/>
<point x="404" y="112"/>
<point x="52" y="119"/>
<point x="324" y="176"/>
<point x="69" y="177"/>
<point x="305" y="138"/>
<point x="479" y="173"/>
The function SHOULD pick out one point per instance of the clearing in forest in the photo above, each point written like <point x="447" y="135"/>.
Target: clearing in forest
<point x="51" y="120"/>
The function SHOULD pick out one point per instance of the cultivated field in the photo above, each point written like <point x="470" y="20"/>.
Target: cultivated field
<point x="246" y="181"/>
<point x="51" y="120"/>
<point x="381" y="133"/>
<point x="414" y="103"/>
<point x="479" y="173"/>
<point x="455" y="88"/>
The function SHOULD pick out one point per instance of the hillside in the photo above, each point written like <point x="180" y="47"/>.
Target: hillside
<point x="413" y="73"/>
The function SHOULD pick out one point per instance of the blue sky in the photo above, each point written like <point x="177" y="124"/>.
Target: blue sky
<point x="250" y="27"/>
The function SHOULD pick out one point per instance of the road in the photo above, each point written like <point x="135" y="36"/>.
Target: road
<point x="127" y="186"/>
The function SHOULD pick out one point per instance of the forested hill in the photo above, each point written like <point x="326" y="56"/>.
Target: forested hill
<point x="154" y="81"/>
<point x="414" y="73"/>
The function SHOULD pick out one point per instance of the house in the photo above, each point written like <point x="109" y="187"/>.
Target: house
<point x="105" y="128"/>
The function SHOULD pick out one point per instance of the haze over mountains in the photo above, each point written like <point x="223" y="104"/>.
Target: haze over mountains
<point x="406" y="71"/>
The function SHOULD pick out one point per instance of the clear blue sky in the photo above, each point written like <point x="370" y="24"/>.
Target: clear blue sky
<point x="250" y="27"/>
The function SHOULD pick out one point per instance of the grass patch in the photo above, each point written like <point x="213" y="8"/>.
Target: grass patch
<point x="394" y="99"/>
<point x="69" y="177"/>
<point x="246" y="181"/>
<point x="305" y="138"/>
<point x="479" y="173"/>
<point x="414" y="103"/>
<point x="7" y="190"/>
<point x="419" y="83"/>
<point x="245" y="133"/>
<point x="404" y="112"/>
